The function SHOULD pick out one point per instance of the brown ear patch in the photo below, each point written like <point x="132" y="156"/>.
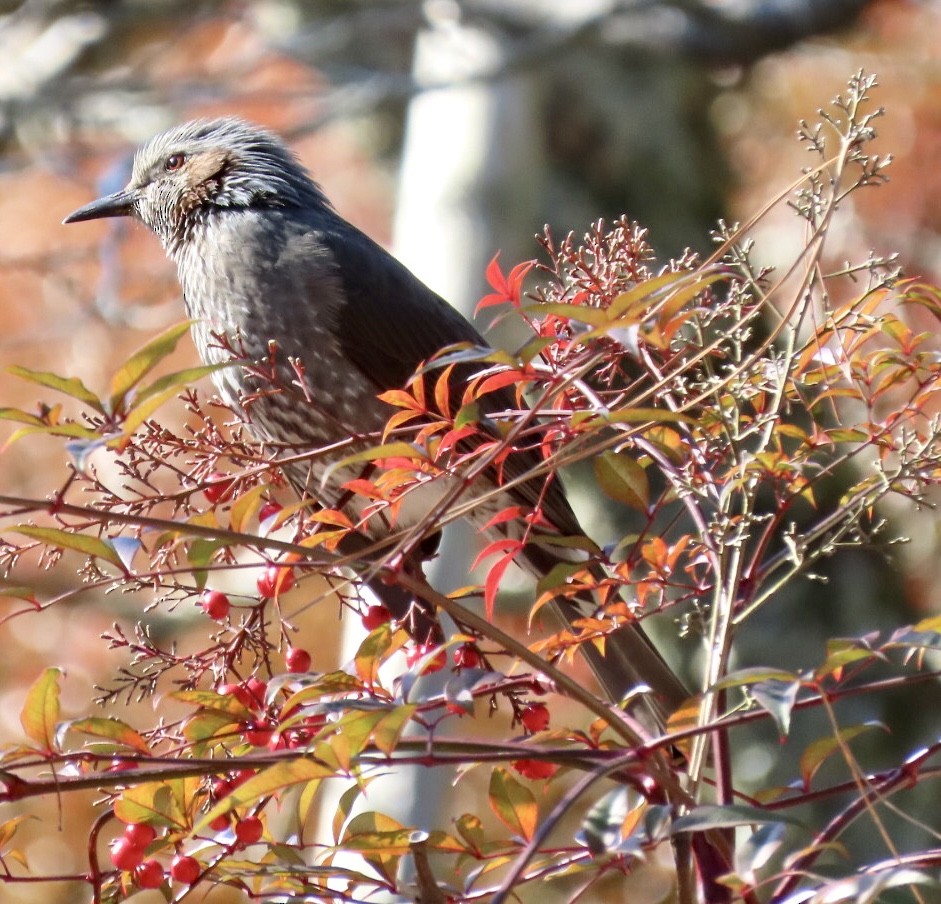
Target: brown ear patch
<point x="205" y="165"/>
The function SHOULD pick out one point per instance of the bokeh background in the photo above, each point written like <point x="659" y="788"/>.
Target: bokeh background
<point x="448" y="131"/>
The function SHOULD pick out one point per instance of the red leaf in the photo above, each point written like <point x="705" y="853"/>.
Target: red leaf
<point x="498" y="381"/>
<point x="493" y="583"/>
<point x="508" y="514"/>
<point x="442" y="390"/>
<point x="400" y="399"/>
<point x="506" y="544"/>
<point x="507" y="289"/>
<point x="455" y="436"/>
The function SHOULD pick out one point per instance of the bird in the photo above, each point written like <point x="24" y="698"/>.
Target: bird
<point x="269" y="268"/>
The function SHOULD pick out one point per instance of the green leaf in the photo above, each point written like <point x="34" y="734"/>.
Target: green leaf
<point x="603" y="825"/>
<point x="372" y="652"/>
<point x="819" y="751"/>
<point x="266" y="783"/>
<point x="635" y="415"/>
<point x="513" y="803"/>
<point x="73" y="430"/>
<point x="350" y="735"/>
<point x="160" y="803"/>
<point x="677" y="287"/>
<point x="623" y="479"/>
<point x="756" y="850"/>
<point x="143" y="361"/>
<point x="389" y="728"/>
<point x="210" y="700"/>
<point x="181" y="378"/>
<point x="63" y="539"/>
<point x="70" y="386"/>
<point x="245" y="507"/>
<point x="22" y="417"/>
<point x="113" y="730"/>
<point x="140" y="413"/>
<point x="396" y="449"/>
<point x="580" y="313"/>
<point x="753" y="675"/>
<point x="713" y="816"/>
<point x="40" y="712"/>
<point x="8" y="829"/>
<point x="344" y="807"/>
<point x="471" y="829"/>
<point x="777" y="698"/>
<point x="842" y="652"/>
<point x="868" y="888"/>
<point x="125" y="549"/>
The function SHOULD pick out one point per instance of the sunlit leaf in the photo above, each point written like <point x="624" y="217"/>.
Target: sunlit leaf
<point x="623" y="479"/>
<point x="154" y="803"/>
<point x="40" y="712"/>
<point x="819" y="751"/>
<point x="143" y="361"/>
<point x="513" y="803"/>
<point x="245" y="506"/>
<point x="63" y="539"/>
<point x="113" y="730"/>
<point x="266" y="783"/>
<point x="179" y="379"/>
<point x="70" y="386"/>
<point x="8" y="829"/>
<point x="22" y="417"/>
<point x="389" y="728"/>
<point x="843" y="652"/>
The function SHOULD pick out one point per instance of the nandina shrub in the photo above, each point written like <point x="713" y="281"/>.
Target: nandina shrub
<point x="715" y="401"/>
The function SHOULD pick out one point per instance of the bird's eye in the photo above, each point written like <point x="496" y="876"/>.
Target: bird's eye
<point x="174" y="162"/>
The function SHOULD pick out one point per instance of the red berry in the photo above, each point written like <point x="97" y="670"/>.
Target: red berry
<point x="376" y="616"/>
<point x="535" y="717"/>
<point x="269" y="510"/>
<point x="535" y="769"/>
<point x="217" y="486"/>
<point x="139" y="834"/>
<point x="122" y="766"/>
<point x="277" y="741"/>
<point x="275" y="580"/>
<point x="125" y="855"/>
<point x="220" y="823"/>
<point x="467" y="656"/>
<point x="248" y="830"/>
<point x="257" y="691"/>
<point x="297" y="660"/>
<point x="185" y="869"/>
<point x="242" y="776"/>
<point x="149" y="874"/>
<point x="215" y="604"/>
<point x="220" y="788"/>
<point x="258" y="734"/>
<point x="415" y="654"/>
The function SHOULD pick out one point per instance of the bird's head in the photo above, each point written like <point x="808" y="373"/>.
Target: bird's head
<point x="184" y="176"/>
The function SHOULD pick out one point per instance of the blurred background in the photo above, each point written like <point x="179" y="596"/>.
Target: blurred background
<point x="448" y="131"/>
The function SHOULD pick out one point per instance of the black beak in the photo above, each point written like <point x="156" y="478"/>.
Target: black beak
<point x="120" y="204"/>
